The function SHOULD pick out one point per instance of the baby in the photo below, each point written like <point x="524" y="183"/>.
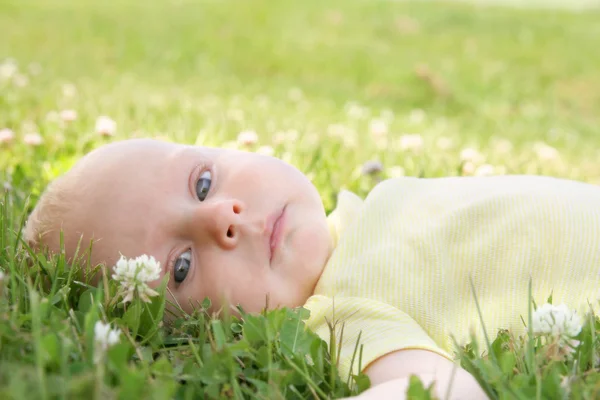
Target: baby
<point x="396" y="268"/>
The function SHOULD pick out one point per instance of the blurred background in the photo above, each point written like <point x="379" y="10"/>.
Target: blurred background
<point x="346" y="90"/>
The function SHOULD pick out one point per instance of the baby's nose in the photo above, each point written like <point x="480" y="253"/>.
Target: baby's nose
<point x="223" y="220"/>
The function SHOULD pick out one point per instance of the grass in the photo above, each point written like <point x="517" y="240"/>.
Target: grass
<point x="519" y="88"/>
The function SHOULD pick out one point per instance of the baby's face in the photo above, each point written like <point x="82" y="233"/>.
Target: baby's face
<point x="225" y="224"/>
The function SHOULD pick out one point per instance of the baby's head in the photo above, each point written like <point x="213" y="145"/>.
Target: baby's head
<point x="206" y="214"/>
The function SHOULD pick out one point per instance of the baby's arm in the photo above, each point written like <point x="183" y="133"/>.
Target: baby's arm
<point x="391" y="373"/>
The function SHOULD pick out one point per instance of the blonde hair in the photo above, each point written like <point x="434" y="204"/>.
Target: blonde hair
<point x="45" y="222"/>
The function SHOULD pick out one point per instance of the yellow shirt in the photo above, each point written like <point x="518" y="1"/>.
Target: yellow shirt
<point x="401" y="269"/>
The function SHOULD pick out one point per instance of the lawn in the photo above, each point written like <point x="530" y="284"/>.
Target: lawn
<point x="413" y="88"/>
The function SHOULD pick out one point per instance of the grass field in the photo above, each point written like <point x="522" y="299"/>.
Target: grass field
<point x="424" y="88"/>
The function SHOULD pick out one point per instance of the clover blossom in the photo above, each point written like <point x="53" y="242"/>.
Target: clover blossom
<point x="247" y="138"/>
<point x="558" y="322"/>
<point x="105" y="126"/>
<point x="134" y="275"/>
<point x="104" y="337"/>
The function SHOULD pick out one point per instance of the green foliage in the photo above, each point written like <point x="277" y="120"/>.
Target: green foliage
<point x="310" y="80"/>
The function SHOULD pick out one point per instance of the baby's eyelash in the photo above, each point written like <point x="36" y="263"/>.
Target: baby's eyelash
<point x="173" y="262"/>
<point x="197" y="172"/>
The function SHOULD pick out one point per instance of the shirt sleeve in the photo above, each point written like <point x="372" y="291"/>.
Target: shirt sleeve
<point x="382" y="328"/>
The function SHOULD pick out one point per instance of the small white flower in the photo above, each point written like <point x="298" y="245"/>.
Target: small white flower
<point x="468" y="168"/>
<point x="105" y="126"/>
<point x="134" y="275"/>
<point x="265" y="150"/>
<point x="68" y="115"/>
<point x="6" y="135"/>
<point x="411" y="142"/>
<point x="104" y="337"/>
<point x="557" y="321"/>
<point x="472" y="155"/>
<point x="378" y="127"/>
<point x="485" y="170"/>
<point x="545" y="152"/>
<point x="356" y="111"/>
<point x="20" y="80"/>
<point x="1" y="276"/>
<point x="33" y="139"/>
<point x="8" y="69"/>
<point x="396" y="172"/>
<point x="247" y="138"/>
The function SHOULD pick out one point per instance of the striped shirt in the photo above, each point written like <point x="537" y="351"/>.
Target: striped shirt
<point x="405" y="257"/>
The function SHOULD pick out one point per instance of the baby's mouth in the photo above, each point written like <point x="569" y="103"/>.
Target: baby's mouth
<point x="274" y="233"/>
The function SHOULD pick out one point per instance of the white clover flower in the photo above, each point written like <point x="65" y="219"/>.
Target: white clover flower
<point x="557" y="321"/>
<point x="396" y="172"/>
<point x="410" y="142"/>
<point x="472" y="155"/>
<point x="378" y="127"/>
<point x="134" y="275"/>
<point x="105" y="126"/>
<point x="266" y="150"/>
<point x="468" y="168"/>
<point x="8" y="69"/>
<point x="356" y="111"/>
<point x="68" y="115"/>
<point x="20" y="80"/>
<point x="6" y="135"/>
<point x="33" y="139"/>
<point x="545" y="152"/>
<point x="247" y="138"/>
<point x="485" y="170"/>
<point x="104" y="337"/>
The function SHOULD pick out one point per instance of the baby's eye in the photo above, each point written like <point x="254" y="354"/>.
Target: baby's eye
<point x="182" y="266"/>
<point x="203" y="185"/>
